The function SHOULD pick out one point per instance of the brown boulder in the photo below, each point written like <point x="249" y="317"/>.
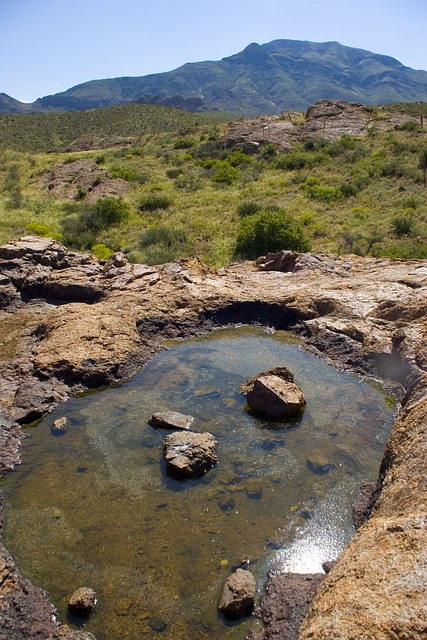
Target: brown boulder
<point x="238" y="595"/>
<point x="82" y="601"/>
<point x="189" y="455"/>
<point x="274" y="398"/>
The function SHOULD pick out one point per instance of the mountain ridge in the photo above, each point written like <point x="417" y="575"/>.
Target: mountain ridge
<point x="268" y="78"/>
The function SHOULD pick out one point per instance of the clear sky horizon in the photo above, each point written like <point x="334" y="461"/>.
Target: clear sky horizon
<point x="52" y="45"/>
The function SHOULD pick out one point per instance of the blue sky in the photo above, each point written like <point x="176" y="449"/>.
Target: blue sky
<point x="51" y="45"/>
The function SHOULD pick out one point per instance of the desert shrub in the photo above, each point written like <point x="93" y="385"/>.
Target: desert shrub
<point x="154" y="201"/>
<point x="402" y="225"/>
<point x="123" y="172"/>
<point x="101" y="251"/>
<point x="322" y="192"/>
<point x="238" y="157"/>
<point x="267" y="231"/>
<point x="161" y="244"/>
<point x="173" y="172"/>
<point x="248" y="209"/>
<point x="110" y="211"/>
<point x="186" y="142"/>
<point x="80" y="229"/>
<point x="43" y="231"/>
<point x="298" y="160"/>
<point x="410" y="125"/>
<point x="225" y="173"/>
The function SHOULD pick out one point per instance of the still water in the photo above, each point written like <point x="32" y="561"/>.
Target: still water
<point x="94" y="507"/>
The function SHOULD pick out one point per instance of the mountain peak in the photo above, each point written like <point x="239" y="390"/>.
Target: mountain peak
<point x="268" y="78"/>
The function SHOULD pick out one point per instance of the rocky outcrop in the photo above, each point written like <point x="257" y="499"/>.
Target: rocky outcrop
<point x="82" y="179"/>
<point x="274" y="398"/>
<point x="327" y="119"/>
<point x="238" y="595"/>
<point x="189" y="455"/>
<point x="68" y="324"/>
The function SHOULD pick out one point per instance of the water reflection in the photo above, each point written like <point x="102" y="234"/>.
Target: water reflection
<point x="157" y="550"/>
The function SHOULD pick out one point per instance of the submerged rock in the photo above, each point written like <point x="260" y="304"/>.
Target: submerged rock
<point x="189" y="455"/>
<point x="82" y="601"/>
<point x="274" y="398"/>
<point x="319" y="465"/>
<point x="171" y="420"/>
<point x="238" y="595"/>
<point x="60" y="426"/>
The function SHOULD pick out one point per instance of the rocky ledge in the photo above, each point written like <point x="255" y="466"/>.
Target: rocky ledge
<point x="68" y="323"/>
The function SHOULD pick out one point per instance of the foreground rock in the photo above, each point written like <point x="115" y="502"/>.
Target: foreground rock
<point x="238" y="595"/>
<point x="189" y="455"/>
<point x="67" y="325"/>
<point x="274" y="398"/>
<point x="171" y="420"/>
<point x="284" y="604"/>
<point x="82" y="602"/>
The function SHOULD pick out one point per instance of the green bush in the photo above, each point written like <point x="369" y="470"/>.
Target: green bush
<point x="162" y="244"/>
<point x="402" y="225"/>
<point x="225" y="173"/>
<point x="248" y="209"/>
<point x="101" y="251"/>
<point x="80" y="229"/>
<point x="154" y="201"/>
<point x="110" y="211"/>
<point x="123" y="172"/>
<point x="267" y="231"/>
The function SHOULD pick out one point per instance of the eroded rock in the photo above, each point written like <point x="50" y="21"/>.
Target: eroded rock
<point x="189" y="455"/>
<point x="274" y="398"/>
<point x="238" y="595"/>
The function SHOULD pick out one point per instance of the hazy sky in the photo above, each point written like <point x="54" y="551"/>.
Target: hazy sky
<point x="51" y="45"/>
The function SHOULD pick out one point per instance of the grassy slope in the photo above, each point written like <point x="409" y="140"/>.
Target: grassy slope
<point x="348" y="195"/>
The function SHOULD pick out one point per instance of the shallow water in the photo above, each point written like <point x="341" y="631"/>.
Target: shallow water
<point x="94" y="507"/>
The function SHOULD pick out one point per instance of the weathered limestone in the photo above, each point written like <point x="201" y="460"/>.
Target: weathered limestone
<point x="363" y="314"/>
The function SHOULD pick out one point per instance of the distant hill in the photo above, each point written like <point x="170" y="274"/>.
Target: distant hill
<point x="269" y="78"/>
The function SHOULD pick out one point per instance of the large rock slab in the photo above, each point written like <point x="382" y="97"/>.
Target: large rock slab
<point x="189" y="455"/>
<point x="238" y="595"/>
<point x="274" y="398"/>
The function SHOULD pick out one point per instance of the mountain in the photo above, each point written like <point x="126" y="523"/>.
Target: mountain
<point x="269" y="78"/>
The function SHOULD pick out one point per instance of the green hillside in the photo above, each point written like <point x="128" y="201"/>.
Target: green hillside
<point x="189" y="192"/>
<point x="56" y="131"/>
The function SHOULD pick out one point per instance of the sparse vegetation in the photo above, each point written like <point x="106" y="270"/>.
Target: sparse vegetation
<point x="190" y="195"/>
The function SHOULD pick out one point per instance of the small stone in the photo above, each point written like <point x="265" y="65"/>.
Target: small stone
<point x="171" y="420"/>
<point x="123" y="606"/>
<point x="318" y="464"/>
<point x="60" y="425"/>
<point x="238" y="595"/>
<point x="157" y="624"/>
<point x="82" y="601"/>
<point x="254" y="490"/>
